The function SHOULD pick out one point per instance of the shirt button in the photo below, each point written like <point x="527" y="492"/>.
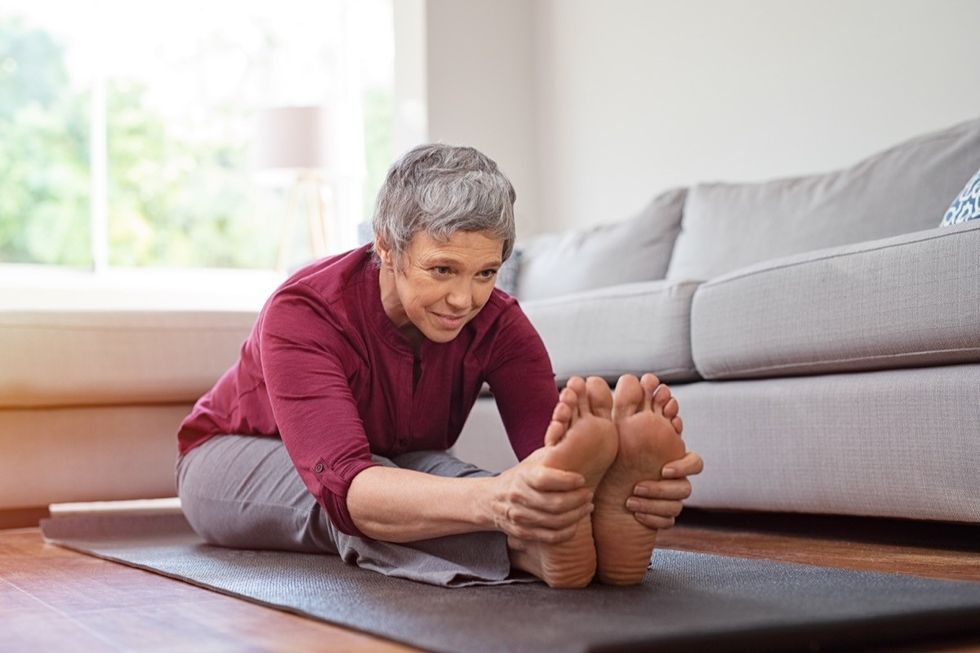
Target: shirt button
<point x="318" y="468"/>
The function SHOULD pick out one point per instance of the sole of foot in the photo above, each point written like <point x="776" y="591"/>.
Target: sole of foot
<point x="581" y="438"/>
<point x="645" y="414"/>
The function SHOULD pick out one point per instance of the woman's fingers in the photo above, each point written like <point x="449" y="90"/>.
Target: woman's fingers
<point x="549" y="479"/>
<point x="554" y="502"/>
<point x="549" y="490"/>
<point x="522" y="509"/>
<point x="675" y="490"/>
<point x="654" y="507"/>
<point x="689" y="465"/>
<point x="530" y="518"/>
<point x="653" y="521"/>
<point x="549" y="536"/>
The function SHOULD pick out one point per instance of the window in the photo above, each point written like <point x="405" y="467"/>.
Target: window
<point x="126" y="127"/>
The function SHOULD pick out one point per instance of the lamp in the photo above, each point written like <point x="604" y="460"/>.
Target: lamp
<point x="296" y="141"/>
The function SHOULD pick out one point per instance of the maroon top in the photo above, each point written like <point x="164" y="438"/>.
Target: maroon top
<point x="325" y="369"/>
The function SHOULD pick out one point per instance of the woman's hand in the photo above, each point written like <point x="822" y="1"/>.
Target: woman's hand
<point x="538" y="503"/>
<point x="656" y="504"/>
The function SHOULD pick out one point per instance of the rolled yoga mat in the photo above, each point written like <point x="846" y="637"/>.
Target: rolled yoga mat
<point x="688" y="601"/>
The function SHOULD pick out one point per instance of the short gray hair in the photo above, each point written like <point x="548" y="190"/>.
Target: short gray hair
<point x="441" y="189"/>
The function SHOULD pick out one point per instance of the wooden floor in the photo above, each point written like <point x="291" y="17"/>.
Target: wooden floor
<point x="55" y="599"/>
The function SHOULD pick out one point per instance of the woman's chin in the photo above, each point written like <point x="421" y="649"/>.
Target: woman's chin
<point x="441" y="335"/>
<point x="440" y="328"/>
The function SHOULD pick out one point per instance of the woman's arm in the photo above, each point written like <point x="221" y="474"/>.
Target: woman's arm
<point x="523" y="382"/>
<point x="303" y="364"/>
<point x="308" y="390"/>
<point x="529" y="501"/>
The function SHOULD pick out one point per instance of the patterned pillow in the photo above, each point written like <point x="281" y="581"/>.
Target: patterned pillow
<point x="966" y="205"/>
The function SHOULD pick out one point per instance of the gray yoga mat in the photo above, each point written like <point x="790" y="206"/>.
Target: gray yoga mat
<point x="688" y="602"/>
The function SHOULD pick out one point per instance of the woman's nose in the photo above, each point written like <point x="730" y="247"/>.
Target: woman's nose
<point x="460" y="296"/>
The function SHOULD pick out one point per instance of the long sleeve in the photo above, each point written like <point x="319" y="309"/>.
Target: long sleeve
<point x="303" y="356"/>
<point x="523" y="383"/>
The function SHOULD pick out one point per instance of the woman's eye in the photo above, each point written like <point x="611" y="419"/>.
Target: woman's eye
<point x="441" y="270"/>
<point x="488" y="274"/>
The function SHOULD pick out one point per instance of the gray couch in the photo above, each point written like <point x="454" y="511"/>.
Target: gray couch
<point x="822" y="333"/>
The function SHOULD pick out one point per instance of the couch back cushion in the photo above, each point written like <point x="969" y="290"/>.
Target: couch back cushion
<point x="637" y="249"/>
<point x="903" y="189"/>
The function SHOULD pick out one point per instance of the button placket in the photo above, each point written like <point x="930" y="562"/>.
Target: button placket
<point x="406" y="401"/>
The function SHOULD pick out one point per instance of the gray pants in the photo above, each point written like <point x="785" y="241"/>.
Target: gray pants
<point x="244" y="491"/>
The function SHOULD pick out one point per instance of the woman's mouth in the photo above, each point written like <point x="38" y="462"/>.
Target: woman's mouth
<point x="450" y="322"/>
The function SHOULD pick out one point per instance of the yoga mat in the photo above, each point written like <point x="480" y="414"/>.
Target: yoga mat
<point x="688" y="601"/>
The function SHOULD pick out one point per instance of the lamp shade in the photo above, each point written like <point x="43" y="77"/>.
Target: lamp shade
<point x="294" y="138"/>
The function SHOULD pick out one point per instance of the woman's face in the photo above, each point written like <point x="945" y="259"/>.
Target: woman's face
<point x="437" y="287"/>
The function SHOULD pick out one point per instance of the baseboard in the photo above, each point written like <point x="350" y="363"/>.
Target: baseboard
<point x="853" y="528"/>
<point x="22" y="517"/>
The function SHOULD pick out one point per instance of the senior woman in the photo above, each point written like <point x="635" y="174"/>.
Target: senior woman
<point x="329" y="434"/>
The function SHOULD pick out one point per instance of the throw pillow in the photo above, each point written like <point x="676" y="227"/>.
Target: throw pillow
<point x="507" y="274"/>
<point x="966" y="205"/>
<point x="636" y="249"/>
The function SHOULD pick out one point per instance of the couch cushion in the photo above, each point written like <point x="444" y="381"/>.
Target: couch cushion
<point x="896" y="302"/>
<point x="51" y="358"/>
<point x="635" y="328"/>
<point x="637" y="249"/>
<point x="906" y="188"/>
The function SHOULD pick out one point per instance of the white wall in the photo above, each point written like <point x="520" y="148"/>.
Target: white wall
<point x="593" y="106"/>
<point x="481" y="88"/>
<point x="410" y="120"/>
<point x="636" y="96"/>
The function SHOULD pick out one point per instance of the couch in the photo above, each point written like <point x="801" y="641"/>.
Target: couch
<point x="821" y="334"/>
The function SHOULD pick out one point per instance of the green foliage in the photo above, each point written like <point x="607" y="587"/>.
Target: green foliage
<point x="179" y="201"/>
<point x="173" y="201"/>
<point x="179" y="195"/>
<point x="44" y="187"/>
<point x="32" y="68"/>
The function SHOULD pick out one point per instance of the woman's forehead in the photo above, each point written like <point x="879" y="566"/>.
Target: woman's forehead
<point x="464" y="246"/>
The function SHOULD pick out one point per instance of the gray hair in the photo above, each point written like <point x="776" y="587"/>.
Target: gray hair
<point x="441" y="189"/>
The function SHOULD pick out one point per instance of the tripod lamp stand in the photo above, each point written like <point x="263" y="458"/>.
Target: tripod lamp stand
<point x="295" y="142"/>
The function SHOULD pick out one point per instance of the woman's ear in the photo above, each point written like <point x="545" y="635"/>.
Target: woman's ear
<point x="384" y="253"/>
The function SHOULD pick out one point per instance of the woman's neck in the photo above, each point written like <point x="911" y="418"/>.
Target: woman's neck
<point x="395" y="311"/>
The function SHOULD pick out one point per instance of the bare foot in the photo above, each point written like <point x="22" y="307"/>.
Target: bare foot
<point x="645" y="414"/>
<point x="581" y="438"/>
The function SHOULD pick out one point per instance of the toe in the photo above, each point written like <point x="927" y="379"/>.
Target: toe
<point x="649" y="382"/>
<point x="600" y="397"/>
<point x="671" y="409"/>
<point x="661" y="395"/>
<point x="561" y="417"/>
<point x="555" y="432"/>
<point x="581" y="404"/>
<point x="568" y="398"/>
<point x="564" y="408"/>
<point x="628" y="398"/>
<point x="678" y="424"/>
